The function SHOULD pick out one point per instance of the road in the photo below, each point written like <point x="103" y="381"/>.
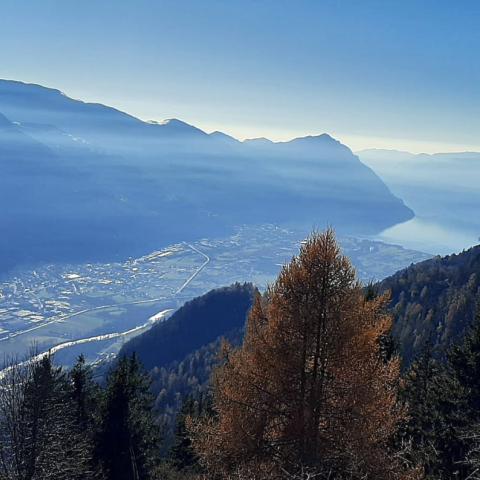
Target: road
<point x="106" y="307"/>
<point x="76" y="314"/>
<point x="108" y="336"/>
<point x="207" y="261"/>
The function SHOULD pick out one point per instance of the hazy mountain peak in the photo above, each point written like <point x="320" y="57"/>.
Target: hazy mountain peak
<point x="174" y="122"/>
<point x="13" y="85"/>
<point x="324" y="143"/>
<point x="323" y="137"/>
<point x="323" y="140"/>
<point x="258" y="141"/>
<point x="176" y="126"/>
<point x="223" y="137"/>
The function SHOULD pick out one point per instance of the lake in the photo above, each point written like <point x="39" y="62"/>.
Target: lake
<point x="430" y="236"/>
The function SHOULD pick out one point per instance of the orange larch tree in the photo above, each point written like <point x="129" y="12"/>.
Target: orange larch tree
<point x="309" y="390"/>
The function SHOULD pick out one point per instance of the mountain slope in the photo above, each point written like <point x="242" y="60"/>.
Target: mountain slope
<point x="31" y="178"/>
<point x="129" y="186"/>
<point x="64" y="204"/>
<point x="434" y="301"/>
<point x="181" y="352"/>
<point x="195" y="324"/>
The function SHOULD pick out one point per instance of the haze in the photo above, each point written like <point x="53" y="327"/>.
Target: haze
<point x="377" y="74"/>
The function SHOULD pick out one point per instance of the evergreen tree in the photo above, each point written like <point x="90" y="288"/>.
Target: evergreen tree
<point x="444" y="406"/>
<point x="40" y="439"/>
<point x="432" y="396"/>
<point x="464" y="365"/>
<point x="128" y="440"/>
<point x="464" y="360"/>
<point x="182" y="455"/>
<point x="85" y="397"/>
<point x="85" y="393"/>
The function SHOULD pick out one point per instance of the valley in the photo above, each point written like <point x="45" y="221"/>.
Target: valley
<point x="114" y="186"/>
<point x="94" y="308"/>
<point x="239" y="240"/>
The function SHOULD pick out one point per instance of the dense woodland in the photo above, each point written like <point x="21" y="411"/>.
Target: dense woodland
<point x="434" y="302"/>
<point x="311" y="387"/>
<point x="179" y="382"/>
<point x="222" y="309"/>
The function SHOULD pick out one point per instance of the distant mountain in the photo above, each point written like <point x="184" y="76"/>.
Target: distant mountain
<point x="434" y="301"/>
<point x="223" y="137"/>
<point x="442" y="187"/>
<point x="118" y="186"/>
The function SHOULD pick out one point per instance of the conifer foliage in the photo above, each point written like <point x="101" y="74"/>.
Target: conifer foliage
<point x="128" y="440"/>
<point x="309" y="389"/>
<point x="63" y="426"/>
<point x="40" y="437"/>
<point x="444" y="404"/>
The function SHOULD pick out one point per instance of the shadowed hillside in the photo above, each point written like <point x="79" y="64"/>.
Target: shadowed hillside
<point x="99" y="184"/>
<point x="197" y="323"/>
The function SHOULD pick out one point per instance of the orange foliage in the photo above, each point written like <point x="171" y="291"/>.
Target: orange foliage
<point x="309" y="387"/>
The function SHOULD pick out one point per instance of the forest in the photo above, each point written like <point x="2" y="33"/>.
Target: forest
<point x="434" y="301"/>
<point x="326" y="379"/>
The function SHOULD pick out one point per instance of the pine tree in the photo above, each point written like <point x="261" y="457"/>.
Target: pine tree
<point x="182" y="455"/>
<point x="309" y="388"/>
<point x="444" y="406"/>
<point x="431" y="394"/>
<point x="128" y="440"/>
<point x="464" y="359"/>
<point x="464" y="367"/>
<point x="85" y="394"/>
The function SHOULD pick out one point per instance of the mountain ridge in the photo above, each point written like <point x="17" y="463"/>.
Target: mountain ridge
<point x="324" y="137"/>
<point x="133" y="186"/>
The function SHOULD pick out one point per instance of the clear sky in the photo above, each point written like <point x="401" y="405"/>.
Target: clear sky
<point x="373" y="73"/>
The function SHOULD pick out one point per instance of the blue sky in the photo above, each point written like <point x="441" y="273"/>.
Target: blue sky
<point x="374" y="73"/>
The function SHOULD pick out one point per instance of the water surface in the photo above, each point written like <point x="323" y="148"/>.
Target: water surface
<point x="430" y="236"/>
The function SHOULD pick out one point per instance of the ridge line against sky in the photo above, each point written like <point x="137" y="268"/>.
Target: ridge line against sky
<point x="356" y="143"/>
<point x="373" y="74"/>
